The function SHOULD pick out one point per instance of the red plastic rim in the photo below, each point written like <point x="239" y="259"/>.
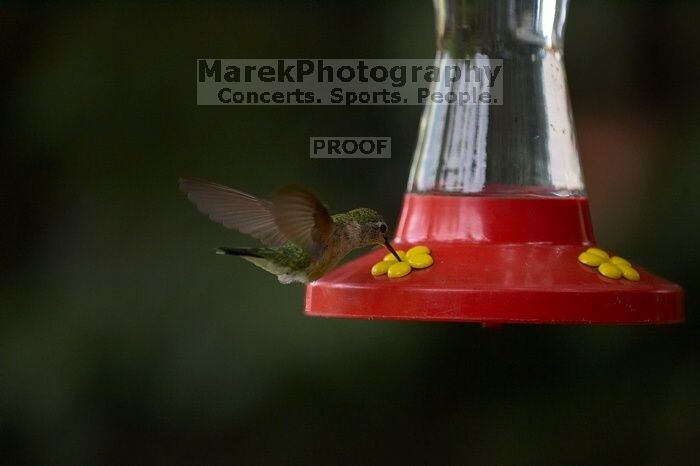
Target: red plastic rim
<point x="497" y="260"/>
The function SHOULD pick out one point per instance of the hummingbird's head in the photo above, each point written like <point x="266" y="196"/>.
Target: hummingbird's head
<point x="373" y="228"/>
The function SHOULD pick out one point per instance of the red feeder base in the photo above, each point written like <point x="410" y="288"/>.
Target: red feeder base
<point x="497" y="260"/>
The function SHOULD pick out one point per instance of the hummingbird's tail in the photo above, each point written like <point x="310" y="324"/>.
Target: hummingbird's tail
<point x="249" y="252"/>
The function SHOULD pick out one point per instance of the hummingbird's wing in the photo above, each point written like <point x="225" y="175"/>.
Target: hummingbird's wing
<point x="235" y="209"/>
<point x="302" y="218"/>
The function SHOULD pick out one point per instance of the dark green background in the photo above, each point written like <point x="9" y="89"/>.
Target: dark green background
<point x="124" y="340"/>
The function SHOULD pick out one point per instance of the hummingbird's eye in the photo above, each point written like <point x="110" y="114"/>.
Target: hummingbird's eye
<point x="383" y="227"/>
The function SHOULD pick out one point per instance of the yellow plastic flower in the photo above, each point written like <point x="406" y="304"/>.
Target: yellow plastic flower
<point x="614" y="267"/>
<point x="418" y="257"/>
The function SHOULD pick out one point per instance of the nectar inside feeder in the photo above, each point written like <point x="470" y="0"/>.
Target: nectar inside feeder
<point x="496" y="193"/>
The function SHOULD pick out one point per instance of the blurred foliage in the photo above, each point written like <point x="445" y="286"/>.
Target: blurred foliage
<point x="124" y="340"/>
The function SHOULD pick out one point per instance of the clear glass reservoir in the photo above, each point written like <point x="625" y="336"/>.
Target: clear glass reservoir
<point x="522" y="145"/>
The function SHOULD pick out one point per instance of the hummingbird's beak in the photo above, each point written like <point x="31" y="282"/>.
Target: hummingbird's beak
<point x="391" y="249"/>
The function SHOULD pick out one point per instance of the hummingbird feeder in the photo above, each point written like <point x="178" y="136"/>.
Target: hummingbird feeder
<point x="496" y="192"/>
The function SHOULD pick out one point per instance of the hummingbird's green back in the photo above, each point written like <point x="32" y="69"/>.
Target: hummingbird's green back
<point x="290" y="255"/>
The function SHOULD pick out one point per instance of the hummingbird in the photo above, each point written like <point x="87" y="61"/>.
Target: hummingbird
<point x="302" y="241"/>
